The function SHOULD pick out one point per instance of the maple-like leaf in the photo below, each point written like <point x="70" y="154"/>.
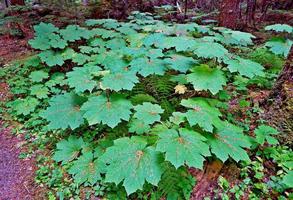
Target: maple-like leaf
<point x="148" y="112"/>
<point x="97" y="42"/>
<point x="133" y="165"/>
<point x="201" y="113"/>
<point x="210" y="50"/>
<point x="73" y="32"/>
<point x="113" y="61"/>
<point x="229" y="141"/>
<point x="86" y="169"/>
<point x="136" y="40"/>
<point x="40" y="91"/>
<point x="179" y="43"/>
<point x="56" y="41"/>
<point x="51" y="58"/>
<point x="68" y="150"/>
<point x="231" y="37"/>
<point x="146" y="66"/>
<point x="105" y="34"/>
<point x="177" y="118"/>
<point x="45" y="28"/>
<point x="127" y="29"/>
<point x="64" y="111"/>
<point x="183" y="147"/>
<point x="245" y="67"/>
<point x="153" y="39"/>
<point x="138" y="126"/>
<point x="180" y="63"/>
<point x="80" y="58"/>
<point x="264" y="132"/>
<point x="116" y="43"/>
<point x="280" y="46"/>
<point x="81" y="78"/>
<point x="100" y="109"/>
<point x="24" y="106"/>
<point x="56" y="79"/>
<point x="279" y="28"/>
<point x="47" y="37"/>
<point x="38" y="76"/>
<point x="120" y="80"/>
<point x="205" y="78"/>
<point x="41" y="42"/>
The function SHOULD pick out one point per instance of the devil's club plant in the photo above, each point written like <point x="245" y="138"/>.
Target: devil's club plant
<point x="116" y="79"/>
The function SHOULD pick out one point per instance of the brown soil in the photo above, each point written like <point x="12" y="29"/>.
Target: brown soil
<point x="16" y="175"/>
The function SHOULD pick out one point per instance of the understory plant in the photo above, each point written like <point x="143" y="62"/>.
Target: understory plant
<point x="131" y="106"/>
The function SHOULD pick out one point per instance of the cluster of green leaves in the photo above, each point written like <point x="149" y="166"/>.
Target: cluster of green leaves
<point x="114" y="78"/>
<point x="280" y="45"/>
<point x="259" y="181"/>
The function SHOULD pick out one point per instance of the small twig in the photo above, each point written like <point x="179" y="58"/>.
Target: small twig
<point x="26" y="188"/>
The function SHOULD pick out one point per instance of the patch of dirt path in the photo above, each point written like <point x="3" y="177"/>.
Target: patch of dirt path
<point x="16" y="175"/>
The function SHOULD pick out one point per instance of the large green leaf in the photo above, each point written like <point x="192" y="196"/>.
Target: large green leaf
<point x="64" y="111"/>
<point x="183" y="147"/>
<point x="51" y="58"/>
<point x="117" y="81"/>
<point x="180" y="63"/>
<point x="279" y="28"/>
<point x="45" y="29"/>
<point x="148" y="112"/>
<point x="229" y="141"/>
<point x="146" y="66"/>
<point x="74" y="32"/>
<point x="46" y="37"/>
<point x="109" y="111"/>
<point x="38" y="76"/>
<point x="87" y="169"/>
<point x="81" y="78"/>
<point x="205" y="78"/>
<point x="68" y="150"/>
<point x="231" y="37"/>
<point x="130" y="161"/>
<point x="210" y="50"/>
<point x="245" y="67"/>
<point x="201" y="113"/>
<point x="41" y="42"/>
<point x="179" y="43"/>
<point x="138" y="126"/>
<point x="280" y="46"/>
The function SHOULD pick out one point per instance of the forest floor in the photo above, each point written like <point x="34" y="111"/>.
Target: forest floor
<point x="17" y="175"/>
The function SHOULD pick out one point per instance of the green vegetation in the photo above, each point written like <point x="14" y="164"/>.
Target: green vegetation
<point x="128" y="107"/>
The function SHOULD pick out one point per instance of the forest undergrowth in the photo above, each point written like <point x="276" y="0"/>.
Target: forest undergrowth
<point x="144" y="109"/>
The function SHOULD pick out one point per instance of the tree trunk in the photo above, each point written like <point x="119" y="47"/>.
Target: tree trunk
<point x="17" y="2"/>
<point x="229" y="13"/>
<point x="279" y="105"/>
<point x="250" y="11"/>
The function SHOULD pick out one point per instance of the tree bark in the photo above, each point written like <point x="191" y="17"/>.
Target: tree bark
<point x="230" y="13"/>
<point x="17" y="2"/>
<point x="250" y="11"/>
